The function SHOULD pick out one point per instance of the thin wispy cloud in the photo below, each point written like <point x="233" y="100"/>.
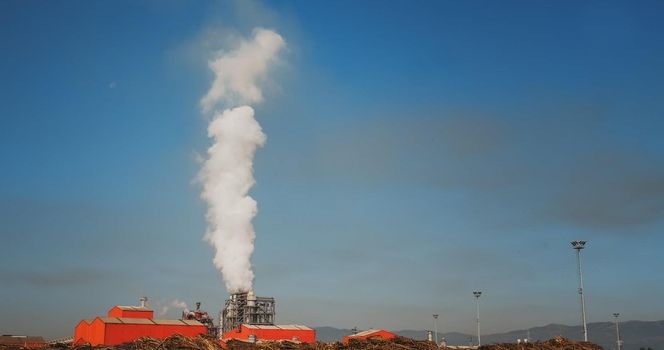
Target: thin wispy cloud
<point x="55" y="278"/>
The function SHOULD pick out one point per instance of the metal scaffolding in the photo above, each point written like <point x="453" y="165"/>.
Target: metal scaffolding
<point x="247" y="308"/>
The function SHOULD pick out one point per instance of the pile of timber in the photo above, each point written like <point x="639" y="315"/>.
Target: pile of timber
<point x="178" y="342"/>
<point x="557" y="343"/>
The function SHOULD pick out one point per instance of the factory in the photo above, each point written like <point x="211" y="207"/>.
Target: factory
<point x="128" y="323"/>
<point x="245" y="317"/>
<point x="253" y="333"/>
<point x="251" y="318"/>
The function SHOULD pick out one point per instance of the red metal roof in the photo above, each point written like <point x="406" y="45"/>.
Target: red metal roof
<point x="133" y="308"/>
<point x="281" y="326"/>
<point x="164" y="321"/>
<point x="110" y="319"/>
<point x="272" y="332"/>
<point x="371" y="333"/>
<point x="367" y="332"/>
<point x="128" y="320"/>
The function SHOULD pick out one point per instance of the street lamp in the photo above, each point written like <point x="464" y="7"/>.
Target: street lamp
<point x="578" y="245"/>
<point x="616" y="315"/>
<point x="477" y="298"/>
<point x="435" y="327"/>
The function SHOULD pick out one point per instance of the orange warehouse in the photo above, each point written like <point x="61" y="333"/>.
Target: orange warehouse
<point x="130" y="312"/>
<point x="371" y="334"/>
<point x="117" y="330"/>
<point x="281" y="332"/>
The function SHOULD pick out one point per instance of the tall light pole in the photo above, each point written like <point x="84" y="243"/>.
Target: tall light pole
<point x="435" y="327"/>
<point x="477" y="298"/>
<point x="578" y="245"/>
<point x="616" y="315"/>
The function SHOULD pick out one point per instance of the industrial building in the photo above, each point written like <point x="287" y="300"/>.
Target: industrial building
<point x="245" y="317"/>
<point x="248" y="317"/>
<point x="370" y="334"/>
<point x="247" y="308"/>
<point x="254" y="333"/>
<point x="128" y="323"/>
<point x="21" y="341"/>
<point x="202" y="317"/>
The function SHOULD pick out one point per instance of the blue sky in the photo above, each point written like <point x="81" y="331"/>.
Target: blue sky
<point x="415" y="153"/>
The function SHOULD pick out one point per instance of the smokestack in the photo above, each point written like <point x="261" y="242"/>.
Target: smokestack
<point x="143" y="301"/>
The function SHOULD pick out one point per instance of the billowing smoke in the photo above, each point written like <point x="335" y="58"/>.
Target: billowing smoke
<point x="227" y="174"/>
<point x="166" y="305"/>
<point x="239" y="73"/>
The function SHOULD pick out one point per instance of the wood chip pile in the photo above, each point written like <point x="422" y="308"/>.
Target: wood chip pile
<point x="557" y="343"/>
<point x="178" y="342"/>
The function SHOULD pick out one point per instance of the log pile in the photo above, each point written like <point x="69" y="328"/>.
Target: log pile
<point x="557" y="343"/>
<point x="178" y="342"/>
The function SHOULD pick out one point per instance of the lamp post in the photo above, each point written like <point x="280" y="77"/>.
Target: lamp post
<point x="435" y="327"/>
<point x="578" y="245"/>
<point x="477" y="299"/>
<point x="616" y="315"/>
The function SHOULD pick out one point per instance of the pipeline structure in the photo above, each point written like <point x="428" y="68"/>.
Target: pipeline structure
<point x="247" y="308"/>
<point x="251" y="318"/>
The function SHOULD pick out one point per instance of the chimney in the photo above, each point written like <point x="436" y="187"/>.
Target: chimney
<point x="143" y="301"/>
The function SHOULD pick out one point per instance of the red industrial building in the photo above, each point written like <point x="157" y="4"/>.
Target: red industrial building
<point x="253" y="333"/>
<point x="370" y="334"/>
<point x="128" y="323"/>
<point x="21" y="341"/>
<point x="245" y="317"/>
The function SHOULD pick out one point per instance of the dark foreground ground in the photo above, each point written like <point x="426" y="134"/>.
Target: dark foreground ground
<point x="178" y="342"/>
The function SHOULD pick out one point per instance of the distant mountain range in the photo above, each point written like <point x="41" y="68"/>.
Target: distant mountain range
<point x="635" y="334"/>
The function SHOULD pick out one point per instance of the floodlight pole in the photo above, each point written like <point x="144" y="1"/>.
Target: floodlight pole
<point x="578" y="245"/>
<point x="435" y="327"/>
<point x="616" y="315"/>
<point x="477" y="299"/>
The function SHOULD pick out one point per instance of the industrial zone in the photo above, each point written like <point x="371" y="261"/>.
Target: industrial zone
<point x="245" y="317"/>
<point x="251" y="320"/>
<point x="248" y="321"/>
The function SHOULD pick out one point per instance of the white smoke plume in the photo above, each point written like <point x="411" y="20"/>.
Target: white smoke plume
<point x="238" y="73"/>
<point x="227" y="174"/>
<point x="167" y="305"/>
